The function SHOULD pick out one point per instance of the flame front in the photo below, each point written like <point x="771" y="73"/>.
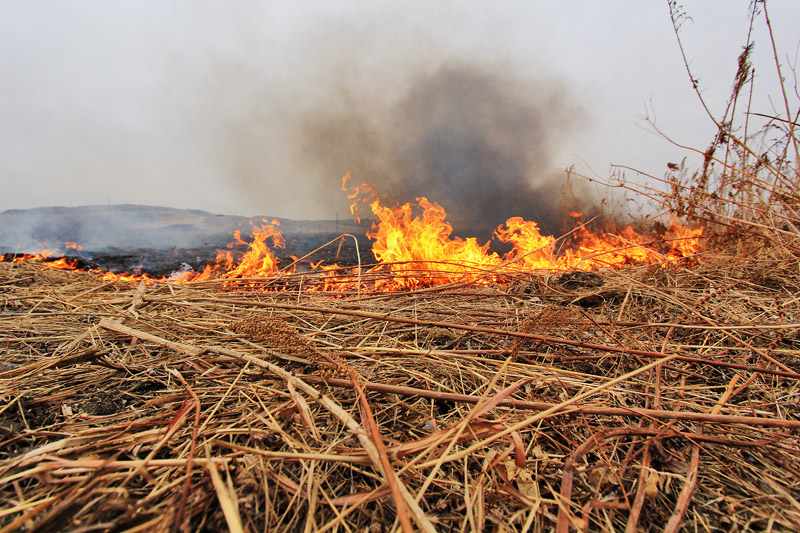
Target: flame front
<point x="531" y="249"/>
<point x="258" y="261"/>
<point x="421" y="250"/>
<point x="415" y="246"/>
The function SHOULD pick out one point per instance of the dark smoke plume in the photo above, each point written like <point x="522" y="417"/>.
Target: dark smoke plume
<point x="473" y="139"/>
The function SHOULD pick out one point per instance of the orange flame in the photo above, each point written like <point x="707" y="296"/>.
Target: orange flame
<point x="363" y="194"/>
<point x="62" y="263"/>
<point x="44" y="256"/>
<point x="531" y="249"/>
<point x="414" y="243"/>
<point x="258" y="261"/>
<point x="684" y="241"/>
<point x="130" y="276"/>
<point x="421" y="250"/>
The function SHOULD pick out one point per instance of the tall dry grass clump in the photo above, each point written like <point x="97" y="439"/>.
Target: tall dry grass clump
<point x="746" y="191"/>
<point x="749" y="182"/>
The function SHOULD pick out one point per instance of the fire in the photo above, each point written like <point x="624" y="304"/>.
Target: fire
<point x="531" y="250"/>
<point x="414" y="244"/>
<point x="128" y="276"/>
<point x="334" y="278"/>
<point x="363" y="193"/>
<point x="421" y="249"/>
<point x="258" y="261"/>
<point x="598" y="250"/>
<point x="44" y="256"/>
<point x="62" y="263"/>
<point x="683" y="241"/>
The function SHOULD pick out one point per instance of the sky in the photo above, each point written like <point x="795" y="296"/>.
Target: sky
<point x="259" y="108"/>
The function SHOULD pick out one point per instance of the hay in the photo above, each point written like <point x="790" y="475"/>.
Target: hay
<point x="624" y="400"/>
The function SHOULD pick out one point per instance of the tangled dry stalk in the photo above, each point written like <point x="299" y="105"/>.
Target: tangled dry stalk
<point x="633" y="398"/>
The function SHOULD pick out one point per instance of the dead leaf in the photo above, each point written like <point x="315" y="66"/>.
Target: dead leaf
<point x="651" y="485"/>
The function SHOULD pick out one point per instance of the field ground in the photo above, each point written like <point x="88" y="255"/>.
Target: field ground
<point x="615" y="400"/>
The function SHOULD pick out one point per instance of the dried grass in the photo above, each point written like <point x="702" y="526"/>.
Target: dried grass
<point x="617" y="401"/>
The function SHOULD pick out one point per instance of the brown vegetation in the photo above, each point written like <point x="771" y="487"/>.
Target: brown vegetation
<point x="552" y="400"/>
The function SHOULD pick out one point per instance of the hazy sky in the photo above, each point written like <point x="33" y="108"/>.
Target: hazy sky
<point x="257" y="107"/>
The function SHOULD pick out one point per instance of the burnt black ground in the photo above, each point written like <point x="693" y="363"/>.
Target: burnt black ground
<point x="159" y="241"/>
<point x="159" y="262"/>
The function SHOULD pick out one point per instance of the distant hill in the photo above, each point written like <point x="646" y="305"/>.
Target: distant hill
<point x="100" y="229"/>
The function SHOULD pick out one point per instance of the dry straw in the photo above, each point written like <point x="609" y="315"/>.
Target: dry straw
<point x="671" y="394"/>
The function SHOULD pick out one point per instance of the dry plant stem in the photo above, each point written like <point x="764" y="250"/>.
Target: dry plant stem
<point x="518" y="334"/>
<point x="25" y="518"/>
<point x="229" y="507"/>
<point x="422" y="521"/>
<point x="782" y="84"/>
<point x="765" y="185"/>
<point x="676" y="520"/>
<point x="179" y="524"/>
<point x="645" y="472"/>
<point x="295" y="456"/>
<point x="173" y="428"/>
<point x="457" y="432"/>
<point x="178" y="347"/>
<point x="52" y="520"/>
<point x="366" y="412"/>
<point x="779" y="119"/>
<point x="653" y="195"/>
<point x="33" y="368"/>
<point x="548" y="412"/>
<point x="641" y="492"/>
<point x="712" y="324"/>
<point x="278" y="456"/>
<point x="676" y="15"/>
<point x="386" y="465"/>
<point x="635" y="412"/>
<point x="93" y="464"/>
<point x="565" y="516"/>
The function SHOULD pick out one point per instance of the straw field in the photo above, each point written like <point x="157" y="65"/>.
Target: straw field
<point x="621" y="399"/>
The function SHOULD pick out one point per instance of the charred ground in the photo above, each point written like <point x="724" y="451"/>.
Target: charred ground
<point x="160" y="240"/>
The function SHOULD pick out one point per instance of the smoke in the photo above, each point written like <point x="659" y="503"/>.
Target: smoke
<point x="412" y="108"/>
<point x="259" y="108"/>
<point x="115" y="227"/>
<point x="474" y="139"/>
